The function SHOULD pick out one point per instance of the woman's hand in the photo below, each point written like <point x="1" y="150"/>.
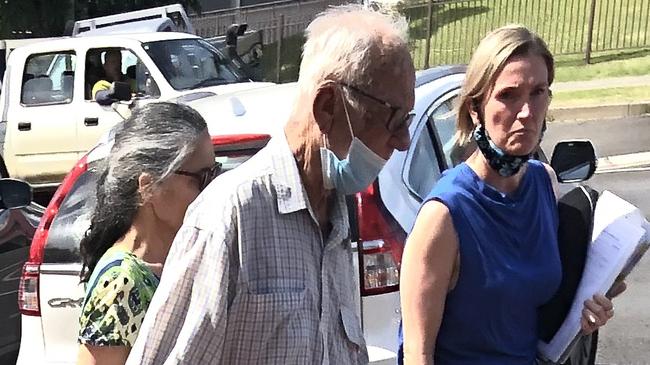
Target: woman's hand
<point x="596" y="313"/>
<point x="600" y="309"/>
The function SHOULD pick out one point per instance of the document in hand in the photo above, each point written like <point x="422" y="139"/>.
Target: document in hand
<point x="621" y="235"/>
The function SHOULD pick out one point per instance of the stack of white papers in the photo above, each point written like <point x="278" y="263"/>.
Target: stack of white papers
<point x="621" y="235"/>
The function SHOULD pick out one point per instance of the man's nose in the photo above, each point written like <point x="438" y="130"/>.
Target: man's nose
<point x="401" y="140"/>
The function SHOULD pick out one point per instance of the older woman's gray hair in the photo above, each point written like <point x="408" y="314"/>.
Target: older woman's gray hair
<point x="155" y="140"/>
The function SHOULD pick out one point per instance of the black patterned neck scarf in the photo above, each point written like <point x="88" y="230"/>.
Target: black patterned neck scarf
<point x="504" y="164"/>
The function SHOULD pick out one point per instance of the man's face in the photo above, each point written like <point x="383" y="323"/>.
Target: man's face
<point x="113" y="63"/>
<point x="387" y="103"/>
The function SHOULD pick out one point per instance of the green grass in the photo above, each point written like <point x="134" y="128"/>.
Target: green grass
<point x="601" y="96"/>
<point x="604" y="67"/>
<point x="289" y="59"/>
<point x="457" y="27"/>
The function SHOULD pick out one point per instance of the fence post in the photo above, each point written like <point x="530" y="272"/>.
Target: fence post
<point x="427" y="46"/>
<point x="278" y="57"/>
<point x="590" y="32"/>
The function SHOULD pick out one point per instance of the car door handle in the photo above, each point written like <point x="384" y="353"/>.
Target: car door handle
<point x="91" y="122"/>
<point x="24" y="126"/>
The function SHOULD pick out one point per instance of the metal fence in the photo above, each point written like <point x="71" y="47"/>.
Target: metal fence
<point x="446" y="32"/>
<point x="282" y="24"/>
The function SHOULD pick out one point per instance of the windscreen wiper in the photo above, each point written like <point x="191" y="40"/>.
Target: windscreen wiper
<point x="212" y="81"/>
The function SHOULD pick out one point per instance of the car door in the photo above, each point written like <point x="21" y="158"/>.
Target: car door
<point x="430" y="151"/>
<point x="428" y="155"/>
<point x="41" y="134"/>
<point x="94" y="119"/>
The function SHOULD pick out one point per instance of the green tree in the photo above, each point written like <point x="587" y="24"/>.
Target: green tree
<point x="48" y="18"/>
<point x="34" y="18"/>
<point x="94" y="8"/>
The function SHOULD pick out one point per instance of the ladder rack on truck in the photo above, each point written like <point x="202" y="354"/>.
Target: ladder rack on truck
<point x="174" y="12"/>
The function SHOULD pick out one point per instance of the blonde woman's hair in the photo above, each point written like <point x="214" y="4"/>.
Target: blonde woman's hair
<point x="488" y="60"/>
<point x="342" y="42"/>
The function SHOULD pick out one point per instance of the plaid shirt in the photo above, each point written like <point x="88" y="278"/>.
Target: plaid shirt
<point x="250" y="280"/>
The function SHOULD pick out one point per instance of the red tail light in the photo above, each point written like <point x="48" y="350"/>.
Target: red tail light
<point x="28" y="302"/>
<point x="380" y="244"/>
<point x="28" y="290"/>
<point x="237" y="142"/>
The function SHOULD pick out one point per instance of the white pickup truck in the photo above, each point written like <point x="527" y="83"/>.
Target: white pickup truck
<point x="48" y="117"/>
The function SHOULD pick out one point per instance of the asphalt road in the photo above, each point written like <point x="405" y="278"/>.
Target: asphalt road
<point x="610" y="137"/>
<point x="626" y="339"/>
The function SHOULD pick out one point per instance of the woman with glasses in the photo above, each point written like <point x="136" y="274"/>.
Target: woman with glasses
<point x="161" y="159"/>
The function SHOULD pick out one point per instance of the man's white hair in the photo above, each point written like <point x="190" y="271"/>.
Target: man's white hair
<point x="343" y="40"/>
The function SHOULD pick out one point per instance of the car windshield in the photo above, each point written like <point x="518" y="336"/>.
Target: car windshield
<point x="191" y="63"/>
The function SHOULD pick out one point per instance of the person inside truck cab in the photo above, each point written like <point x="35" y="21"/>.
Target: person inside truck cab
<point x="102" y="89"/>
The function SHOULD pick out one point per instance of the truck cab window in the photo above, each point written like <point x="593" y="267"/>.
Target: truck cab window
<point x="191" y="63"/>
<point x="48" y="79"/>
<point x="107" y="65"/>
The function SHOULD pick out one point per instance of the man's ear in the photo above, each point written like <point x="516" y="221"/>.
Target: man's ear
<point x="324" y="105"/>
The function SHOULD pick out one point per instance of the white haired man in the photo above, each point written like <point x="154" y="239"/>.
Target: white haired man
<point x="261" y="271"/>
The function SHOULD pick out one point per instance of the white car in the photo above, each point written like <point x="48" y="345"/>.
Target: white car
<point x="50" y="295"/>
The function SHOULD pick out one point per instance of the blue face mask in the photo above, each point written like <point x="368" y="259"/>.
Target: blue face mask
<point x="354" y="173"/>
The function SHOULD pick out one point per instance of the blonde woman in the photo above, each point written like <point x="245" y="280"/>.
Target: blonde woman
<point x="483" y="253"/>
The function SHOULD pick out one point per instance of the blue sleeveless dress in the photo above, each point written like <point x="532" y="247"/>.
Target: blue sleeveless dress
<point x="509" y="266"/>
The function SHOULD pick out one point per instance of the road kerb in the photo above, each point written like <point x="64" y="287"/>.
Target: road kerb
<point x="599" y="111"/>
<point x="629" y="161"/>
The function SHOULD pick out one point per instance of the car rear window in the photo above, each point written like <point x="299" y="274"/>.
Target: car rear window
<point x="72" y="221"/>
<point x="73" y="218"/>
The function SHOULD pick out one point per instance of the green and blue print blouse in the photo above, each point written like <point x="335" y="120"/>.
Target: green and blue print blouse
<point x="117" y="296"/>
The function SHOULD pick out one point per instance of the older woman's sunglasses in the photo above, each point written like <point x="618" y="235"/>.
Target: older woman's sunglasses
<point x="203" y="176"/>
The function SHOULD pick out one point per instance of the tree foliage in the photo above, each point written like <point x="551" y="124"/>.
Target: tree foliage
<point x="49" y="18"/>
<point x="95" y="8"/>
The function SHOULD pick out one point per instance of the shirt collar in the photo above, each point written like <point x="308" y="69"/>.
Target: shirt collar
<point x="291" y="195"/>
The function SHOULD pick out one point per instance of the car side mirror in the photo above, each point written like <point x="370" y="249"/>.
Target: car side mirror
<point x="14" y="193"/>
<point x="574" y="161"/>
<point x="121" y="91"/>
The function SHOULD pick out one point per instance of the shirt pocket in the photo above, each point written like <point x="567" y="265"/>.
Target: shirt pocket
<point x="354" y="334"/>
<point x="268" y="328"/>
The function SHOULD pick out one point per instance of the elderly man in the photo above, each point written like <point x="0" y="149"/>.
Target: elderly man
<point x="261" y="271"/>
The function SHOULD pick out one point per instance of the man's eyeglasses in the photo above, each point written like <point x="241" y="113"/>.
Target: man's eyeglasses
<point x="204" y="176"/>
<point x="393" y="124"/>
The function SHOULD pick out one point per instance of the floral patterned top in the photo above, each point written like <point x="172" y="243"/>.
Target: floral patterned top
<point x="117" y="296"/>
